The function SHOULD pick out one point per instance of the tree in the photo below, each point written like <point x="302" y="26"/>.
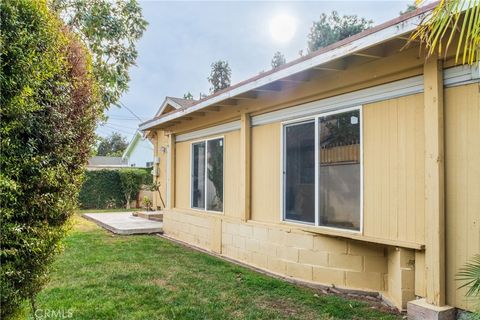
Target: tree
<point x="219" y="76"/>
<point x="278" y="59"/>
<point x="410" y="8"/>
<point x="48" y="106"/>
<point x="188" y="96"/>
<point x="445" y="22"/>
<point x="110" y="30"/>
<point x="131" y="181"/>
<point x="333" y="28"/>
<point x="112" y="146"/>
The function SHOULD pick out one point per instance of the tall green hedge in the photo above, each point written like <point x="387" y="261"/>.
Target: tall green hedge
<point x="48" y="110"/>
<point x="102" y="189"/>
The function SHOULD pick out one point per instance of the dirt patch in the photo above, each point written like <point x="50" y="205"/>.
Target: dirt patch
<point x="164" y="283"/>
<point x="285" y="307"/>
<point x="375" y="302"/>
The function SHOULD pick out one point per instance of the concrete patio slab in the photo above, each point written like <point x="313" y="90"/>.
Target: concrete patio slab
<point x="124" y="223"/>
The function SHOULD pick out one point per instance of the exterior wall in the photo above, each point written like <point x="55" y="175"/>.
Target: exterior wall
<point x="394" y="197"/>
<point x="160" y="147"/>
<point x="265" y="204"/>
<point x="199" y="230"/>
<point x="394" y="169"/>
<point x="285" y="251"/>
<point x="401" y="276"/>
<point x="141" y="153"/>
<point x="305" y="256"/>
<point x="462" y="184"/>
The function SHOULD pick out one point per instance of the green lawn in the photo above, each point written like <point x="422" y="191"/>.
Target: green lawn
<point x="102" y="276"/>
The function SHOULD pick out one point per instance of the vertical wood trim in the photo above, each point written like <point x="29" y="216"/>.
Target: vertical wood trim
<point x="171" y="173"/>
<point x="434" y="181"/>
<point x="156" y="143"/>
<point x="245" y="164"/>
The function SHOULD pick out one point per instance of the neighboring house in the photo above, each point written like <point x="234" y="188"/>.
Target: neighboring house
<point x="139" y="152"/>
<point x="103" y="162"/>
<point x="355" y="166"/>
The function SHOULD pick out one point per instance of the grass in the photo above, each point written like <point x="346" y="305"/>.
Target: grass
<point x="103" y="276"/>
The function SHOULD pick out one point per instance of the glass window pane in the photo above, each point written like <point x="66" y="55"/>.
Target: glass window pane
<point x="339" y="172"/>
<point x="299" y="172"/>
<point x="215" y="175"/>
<point x="198" y="175"/>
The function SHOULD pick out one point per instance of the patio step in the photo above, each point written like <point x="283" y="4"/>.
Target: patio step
<point x="151" y="215"/>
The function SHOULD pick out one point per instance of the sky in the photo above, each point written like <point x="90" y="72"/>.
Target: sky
<point x="184" y="38"/>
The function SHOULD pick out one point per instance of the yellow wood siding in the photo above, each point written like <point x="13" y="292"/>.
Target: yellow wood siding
<point x="462" y="165"/>
<point x="182" y="175"/>
<point x="266" y="173"/>
<point x="393" y="142"/>
<point x="231" y="174"/>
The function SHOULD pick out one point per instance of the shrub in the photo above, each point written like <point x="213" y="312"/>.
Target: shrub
<point x="101" y="189"/>
<point x="131" y="182"/>
<point x="48" y="110"/>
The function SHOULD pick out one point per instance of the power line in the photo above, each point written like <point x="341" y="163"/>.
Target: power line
<point x="107" y="126"/>
<point x="133" y="113"/>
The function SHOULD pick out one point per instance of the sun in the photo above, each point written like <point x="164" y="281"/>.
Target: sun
<point x="282" y="27"/>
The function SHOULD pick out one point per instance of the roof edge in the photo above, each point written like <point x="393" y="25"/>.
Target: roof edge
<point x="400" y="25"/>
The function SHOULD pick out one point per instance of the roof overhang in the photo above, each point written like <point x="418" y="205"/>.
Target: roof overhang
<point x="356" y="44"/>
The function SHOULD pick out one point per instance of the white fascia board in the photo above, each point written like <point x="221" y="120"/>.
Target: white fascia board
<point x="357" y="45"/>
<point x="222" y="128"/>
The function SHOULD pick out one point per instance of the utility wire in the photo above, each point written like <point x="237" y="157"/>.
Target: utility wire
<point x="133" y="113"/>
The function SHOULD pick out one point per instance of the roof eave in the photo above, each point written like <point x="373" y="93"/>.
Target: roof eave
<point x="343" y="49"/>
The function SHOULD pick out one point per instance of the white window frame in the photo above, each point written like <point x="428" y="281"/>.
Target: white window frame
<point x="283" y="157"/>
<point x="206" y="177"/>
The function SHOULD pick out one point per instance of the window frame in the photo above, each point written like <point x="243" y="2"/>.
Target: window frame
<point x="205" y="140"/>
<point x="283" y="158"/>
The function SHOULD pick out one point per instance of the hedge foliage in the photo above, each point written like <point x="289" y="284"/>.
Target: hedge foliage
<point x="103" y="188"/>
<point x="48" y="108"/>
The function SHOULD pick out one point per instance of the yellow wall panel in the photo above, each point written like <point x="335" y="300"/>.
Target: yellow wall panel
<point x="266" y="173"/>
<point x="462" y="185"/>
<point x="393" y="142"/>
<point x="182" y="175"/>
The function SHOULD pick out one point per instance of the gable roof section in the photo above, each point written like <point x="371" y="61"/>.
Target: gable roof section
<point x="131" y="145"/>
<point x="386" y="31"/>
<point x="174" y="103"/>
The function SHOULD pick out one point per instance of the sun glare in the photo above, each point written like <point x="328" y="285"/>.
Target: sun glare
<point x="282" y="28"/>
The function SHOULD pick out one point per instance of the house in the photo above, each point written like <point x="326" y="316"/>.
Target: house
<point x="139" y="152"/>
<point x="105" y="162"/>
<point x="355" y="166"/>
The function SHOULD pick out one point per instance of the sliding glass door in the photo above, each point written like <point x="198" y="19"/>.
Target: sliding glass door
<point x="207" y="175"/>
<point x="299" y="172"/>
<point x="198" y="175"/>
<point x="322" y="170"/>
<point x="339" y="170"/>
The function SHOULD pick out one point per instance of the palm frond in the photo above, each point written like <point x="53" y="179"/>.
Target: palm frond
<point x="470" y="275"/>
<point x="449" y="20"/>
